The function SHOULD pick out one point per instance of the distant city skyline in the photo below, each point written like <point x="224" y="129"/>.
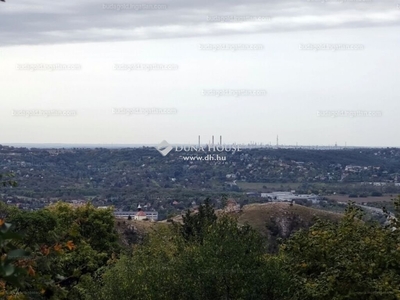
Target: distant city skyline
<point x="245" y="145"/>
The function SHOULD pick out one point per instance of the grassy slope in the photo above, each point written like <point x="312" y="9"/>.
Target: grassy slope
<point x="260" y="215"/>
<point x="288" y="218"/>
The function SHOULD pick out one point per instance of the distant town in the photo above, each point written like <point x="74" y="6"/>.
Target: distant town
<point x="128" y="177"/>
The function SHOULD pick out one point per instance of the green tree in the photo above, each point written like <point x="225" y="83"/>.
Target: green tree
<point x="66" y="243"/>
<point x="10" y="254"/>
<point x="195" y="224"/>
<point x="204" y="258"/>
<point x="348" y="260"/>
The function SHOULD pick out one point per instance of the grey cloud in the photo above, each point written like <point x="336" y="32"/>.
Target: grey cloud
<point x="49" y="22"/>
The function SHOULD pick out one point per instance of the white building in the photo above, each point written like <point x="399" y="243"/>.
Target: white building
<point x="151" y="215"/>
<point x="289" y="196"/>
<point x="140" y="215"/>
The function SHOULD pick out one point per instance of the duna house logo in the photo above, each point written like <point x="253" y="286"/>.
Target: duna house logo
<point x="164" y="148"/>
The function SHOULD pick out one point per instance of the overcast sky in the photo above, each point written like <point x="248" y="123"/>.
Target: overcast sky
<point x="312" y="72"/>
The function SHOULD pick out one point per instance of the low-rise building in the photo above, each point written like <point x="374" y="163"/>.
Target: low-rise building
<point x="289" y="196"/>
<point x="151" y="215"/>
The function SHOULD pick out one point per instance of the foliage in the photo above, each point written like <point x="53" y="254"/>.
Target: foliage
<point x="5" y="180"/>
<point x="205" y="258"/>
<point x="348" y="260"/>
<point x="65" y="244"/>
<point x="195" y="224"/>
<point x="10" y="272"/>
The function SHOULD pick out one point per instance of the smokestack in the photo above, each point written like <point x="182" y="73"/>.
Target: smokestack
<point x="220" y="140"/>
<point x="199" y="141"/>
<point x="213" y="141"/>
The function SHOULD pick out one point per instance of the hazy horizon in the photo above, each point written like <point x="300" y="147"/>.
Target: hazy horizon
<point x="109" y="146"/>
